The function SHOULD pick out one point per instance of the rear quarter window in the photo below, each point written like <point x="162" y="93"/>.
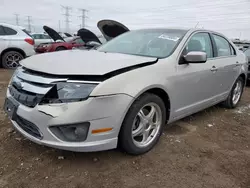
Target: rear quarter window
<point x="25" y="31"/>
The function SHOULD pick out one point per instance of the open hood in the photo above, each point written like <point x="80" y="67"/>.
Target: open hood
<point x="95" y="62"/>
<point x="52" y="33"/>
<point x="87" y="36"/>
<point x="111" y="29"/>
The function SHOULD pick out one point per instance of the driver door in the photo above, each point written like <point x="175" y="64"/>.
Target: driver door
<point x="195" y="84"/>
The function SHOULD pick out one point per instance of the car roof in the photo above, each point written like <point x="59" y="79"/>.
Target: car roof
<point x="180" y="29"/>
<point x="11" y="26"/>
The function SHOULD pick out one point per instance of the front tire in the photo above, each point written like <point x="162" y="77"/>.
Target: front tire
<point x="10" y="59"/>
<point x="235" y="95"/>
<point x="143" y="124"/>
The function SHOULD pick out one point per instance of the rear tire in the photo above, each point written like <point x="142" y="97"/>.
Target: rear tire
<point x="143" y="124"/>
<point x="60" y="48"/>
<point x="235" y="95"/>
<point x="10" y="59"/>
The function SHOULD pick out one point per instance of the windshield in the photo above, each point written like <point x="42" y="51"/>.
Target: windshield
<point x="152" y="43"/>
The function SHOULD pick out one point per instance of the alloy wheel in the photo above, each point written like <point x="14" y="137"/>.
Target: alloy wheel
<point x="146" y="125"/>
<point x="12" y="60"/>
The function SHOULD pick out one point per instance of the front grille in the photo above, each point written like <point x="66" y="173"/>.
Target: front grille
<point x="28" y="127"/>
<point x="26" y="98"/>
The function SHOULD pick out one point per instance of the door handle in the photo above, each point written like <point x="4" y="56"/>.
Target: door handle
<point x="214" y="69"/>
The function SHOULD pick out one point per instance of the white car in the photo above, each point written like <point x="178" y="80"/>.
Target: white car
<point x="15" y="45"/>
<point x="41" y="38"/>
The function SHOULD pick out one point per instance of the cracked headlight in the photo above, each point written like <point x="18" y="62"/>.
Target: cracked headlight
<point x="68" y="92"/>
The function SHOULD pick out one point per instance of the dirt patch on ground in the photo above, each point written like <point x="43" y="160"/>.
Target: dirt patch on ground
<point x="208" y="149"/>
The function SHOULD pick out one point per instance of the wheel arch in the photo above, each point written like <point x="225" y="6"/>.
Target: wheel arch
<point x="244" y="77"/>
<point x="13" y="49"/>
<point x="160" y="92"/>
<point x="61" y="47"/>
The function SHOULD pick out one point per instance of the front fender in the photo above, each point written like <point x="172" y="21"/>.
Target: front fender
<point x="136" y="82"/>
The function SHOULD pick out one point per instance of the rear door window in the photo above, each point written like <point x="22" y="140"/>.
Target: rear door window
<point x="46" y="37"/>
<point x="9" y="31"/>
<point x="1" y="31"/>
<point x="224" y="48"/>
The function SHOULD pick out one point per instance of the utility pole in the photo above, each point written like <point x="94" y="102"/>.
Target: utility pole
<point x="17" y="19"/>
<point x="29" y="23"/>
<point x="83" y="16"/>
<point x="67" y="15"/>
<point x="59" y="25"/>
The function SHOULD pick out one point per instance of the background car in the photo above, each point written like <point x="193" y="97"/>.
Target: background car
<point x="68" y="44"/>
<point x="41" y="38"/>
<point x="59" y="43"/>
<point x="109" y="29"/>
<point x="15" y="44"/>
<point x="247" y="53"/>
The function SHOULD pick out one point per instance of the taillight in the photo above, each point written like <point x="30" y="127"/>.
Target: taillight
<point x="30" y="41"/>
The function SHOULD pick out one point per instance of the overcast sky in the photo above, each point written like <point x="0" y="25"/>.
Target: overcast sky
<point x="231" y="17"/>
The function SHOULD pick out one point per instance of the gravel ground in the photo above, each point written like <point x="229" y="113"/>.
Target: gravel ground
<point x="208" y="149"/>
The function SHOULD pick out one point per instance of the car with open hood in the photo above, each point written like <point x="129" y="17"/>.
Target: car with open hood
<point x="41" y="38"/>
<point x="59" y="43"/>
<point x="124" y="92"/>
<point x="109" y="29"/>
<point x="247" y="53"/>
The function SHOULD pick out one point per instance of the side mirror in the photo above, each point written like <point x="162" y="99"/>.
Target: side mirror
<point x="195" y="57"/>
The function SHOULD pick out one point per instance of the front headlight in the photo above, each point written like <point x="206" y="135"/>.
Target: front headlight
<point x="68" y="92"/>
<point x="18" y="69"/>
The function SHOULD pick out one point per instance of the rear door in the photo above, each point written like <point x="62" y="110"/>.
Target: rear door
<point x="226" y="63"/>
<point x="196" y="84"/>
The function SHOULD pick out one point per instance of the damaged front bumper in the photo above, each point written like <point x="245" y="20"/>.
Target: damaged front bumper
<point x="99" y="113"/>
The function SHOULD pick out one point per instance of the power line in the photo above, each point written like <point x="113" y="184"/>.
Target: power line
<point x="17" y="19"/>
<point x="83" y="16"/>
<point x="67" y="15"/>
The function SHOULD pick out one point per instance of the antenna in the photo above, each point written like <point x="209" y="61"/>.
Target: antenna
<point x="197" y="24"/>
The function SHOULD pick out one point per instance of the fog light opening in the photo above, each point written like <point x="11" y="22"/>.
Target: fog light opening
<point x="71" y="133"/>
